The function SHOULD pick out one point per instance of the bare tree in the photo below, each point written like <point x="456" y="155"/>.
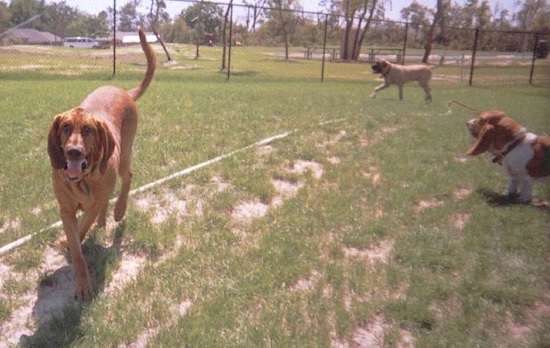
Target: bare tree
<point x="156" y="6"/>
<point x="361" y="10"/>
<point x="430" y="35"/>
<point x="257" y="7"/>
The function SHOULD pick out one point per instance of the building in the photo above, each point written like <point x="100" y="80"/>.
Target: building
<point x="29" y="37"/>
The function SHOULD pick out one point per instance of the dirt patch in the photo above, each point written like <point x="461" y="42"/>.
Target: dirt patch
<point x="377" y="253"/>
<point x="245" y="212"/>
<point x="306" y="284"/>
<point x="461" y="193"/>
<point x="423" y="205"/>
<point x="460" y="221"/>
<point x="522" y="331"/>
<point x="301" y="167"/>
<point x="373" y="175"/>
<point x="13" y="225"/>
<point x="379" y="135"/>
<point x="371" y="335"/>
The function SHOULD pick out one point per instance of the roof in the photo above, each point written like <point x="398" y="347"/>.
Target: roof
<point x="33" y="36"/>
<point x="133" y="36"/>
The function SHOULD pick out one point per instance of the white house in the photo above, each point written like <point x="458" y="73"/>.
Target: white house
<point x="131" y="37"/>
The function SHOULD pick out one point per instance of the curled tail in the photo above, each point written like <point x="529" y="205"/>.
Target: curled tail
<point x="137" y="91"/>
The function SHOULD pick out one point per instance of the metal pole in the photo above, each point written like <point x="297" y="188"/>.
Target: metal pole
<point x="473" y="57"/>
<point x="324" y="49"/>
<point x="198" y="31"/>
<point x="230" y="41"/>
<point x="405" y="43"/>
<point x="114" y="38"/>
<point x="534" y="57"/>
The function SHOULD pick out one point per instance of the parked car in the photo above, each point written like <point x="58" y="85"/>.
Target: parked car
<point x="80" y="42"/>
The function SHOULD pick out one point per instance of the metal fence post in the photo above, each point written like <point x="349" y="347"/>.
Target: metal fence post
<point x="324" y="49"/>
<point x="473" y="57"/>
<point x="230" y="40"/>
<point x="535" y="46"/>
<point x="114" y="38"/>
<point x="405" y="43"/>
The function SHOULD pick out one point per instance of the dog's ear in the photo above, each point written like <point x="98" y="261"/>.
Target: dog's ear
<point x="485" y="138"/>
<point x="106" y="143"/>
<point x="507" y="131"/>
<point x="57" y="158"/>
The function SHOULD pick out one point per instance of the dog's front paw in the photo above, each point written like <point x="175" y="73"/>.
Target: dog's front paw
<point x="373" y="95"/>
<point x="84" y="290"/>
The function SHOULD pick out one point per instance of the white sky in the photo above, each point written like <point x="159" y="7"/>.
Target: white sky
<point x="175" y="7"/>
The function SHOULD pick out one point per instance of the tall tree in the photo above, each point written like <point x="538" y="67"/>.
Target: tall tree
<point x="22" y="10"/>
<point x="362" y="11"/>
<point x="5" y="17"/>
<point x="128" y="16"/>
<point x="281" y="14"/>
<point x="440" y="8"/>
<point x="254" y="12"/>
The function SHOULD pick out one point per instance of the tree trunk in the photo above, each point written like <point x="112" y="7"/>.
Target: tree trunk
<point x="430" y="36"/>
<point x="224" y="41"/>
<point x="162" y="44"/>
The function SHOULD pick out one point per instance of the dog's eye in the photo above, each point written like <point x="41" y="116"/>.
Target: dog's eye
<point x="86" y="130"/>
<point x="67" y="129"/>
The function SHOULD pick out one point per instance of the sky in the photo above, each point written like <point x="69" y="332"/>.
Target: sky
<point x="175" y="7"/>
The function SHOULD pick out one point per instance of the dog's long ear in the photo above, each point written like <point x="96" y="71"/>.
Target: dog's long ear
<point x="57" y="159"/>
<point x="107" y="144"/>
<point x="485" y="138"/>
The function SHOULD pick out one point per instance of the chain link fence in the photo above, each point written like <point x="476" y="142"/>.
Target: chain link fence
<point x="315" y="42"/>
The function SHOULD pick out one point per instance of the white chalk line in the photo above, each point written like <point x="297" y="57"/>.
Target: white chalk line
<point x="9" y="247"/>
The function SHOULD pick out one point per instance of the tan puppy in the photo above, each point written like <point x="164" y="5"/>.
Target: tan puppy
<point x="88" y="146"/>
<point x="395" y="74"/>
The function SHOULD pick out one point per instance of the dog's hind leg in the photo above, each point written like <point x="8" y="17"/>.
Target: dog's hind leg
<point x="400" y="92"/>
<point x="129" y="129"/>
<point x="125" y="173"/>
<point x="427" y="90"/>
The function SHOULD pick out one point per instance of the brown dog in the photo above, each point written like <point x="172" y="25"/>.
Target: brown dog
<point x="395" y="74"/>
<point x="524" y="156"/>
<point x="88" y="146"/>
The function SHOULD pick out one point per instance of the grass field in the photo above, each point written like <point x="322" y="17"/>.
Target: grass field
<point x="366" y="225"/>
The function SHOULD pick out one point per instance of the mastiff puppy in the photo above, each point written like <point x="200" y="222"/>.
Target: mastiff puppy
<point x="400" y="74"/>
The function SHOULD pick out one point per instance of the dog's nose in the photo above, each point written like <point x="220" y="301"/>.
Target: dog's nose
<point x="74" y="153"/>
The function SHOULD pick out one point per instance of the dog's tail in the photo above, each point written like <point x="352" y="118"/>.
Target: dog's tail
<point x="451" y="102"/>
<point x="137" y="91"/>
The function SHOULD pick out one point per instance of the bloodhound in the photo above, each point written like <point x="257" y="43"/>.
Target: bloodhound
<point x="88" y="146"/>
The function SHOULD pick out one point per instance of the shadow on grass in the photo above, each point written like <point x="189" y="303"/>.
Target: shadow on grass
<point x="503" y="200"/>
<point x="57" y="314"/>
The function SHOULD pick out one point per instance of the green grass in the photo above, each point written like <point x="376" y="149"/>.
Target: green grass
<point x="459" y="269"/>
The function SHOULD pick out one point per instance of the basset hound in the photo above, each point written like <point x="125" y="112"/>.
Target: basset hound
<point x="524" y="156"/>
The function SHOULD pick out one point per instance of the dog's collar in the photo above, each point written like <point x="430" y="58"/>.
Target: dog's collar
<point x="499" y="157"/>
<point x="387" y="72"/>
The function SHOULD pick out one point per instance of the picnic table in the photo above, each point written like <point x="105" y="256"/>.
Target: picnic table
<point x="331" y="51"/>
<point x="372" y="51"/>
